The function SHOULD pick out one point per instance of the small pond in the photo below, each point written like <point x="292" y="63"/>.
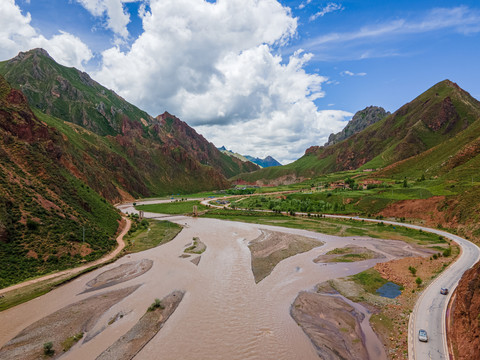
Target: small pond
<point x="389" y="290"/>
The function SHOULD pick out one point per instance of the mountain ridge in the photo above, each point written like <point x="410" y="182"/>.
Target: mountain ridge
<point x="438" y="114"/>
<point x="152" y="156"/>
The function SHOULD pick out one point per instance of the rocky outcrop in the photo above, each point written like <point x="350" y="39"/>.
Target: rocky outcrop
<point x="362" y="119"/>
<point x="464" y="331"/>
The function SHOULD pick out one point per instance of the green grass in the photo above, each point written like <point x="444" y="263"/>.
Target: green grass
<point x="339" y="227"/>
<point x="155" y="234"/>
<point x="370" y="280"/>
<point x="179" y="207"/>
<point x="70" y="341"/>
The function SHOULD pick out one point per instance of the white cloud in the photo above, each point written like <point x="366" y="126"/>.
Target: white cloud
<point x="331" y="7"/>
<point x="462" y="19"/>
<point x="349" y="73"/>
<point x="116" y="15"/>
<point x="215" y="66"/>
<point x="16" y="34"/>
<point x="285" y="136"/>
<point x="304" y="4"/>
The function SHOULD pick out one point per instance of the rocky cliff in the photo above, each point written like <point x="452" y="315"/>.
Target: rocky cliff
<point x="464" y="333"/>
<point x="362" y="119"/>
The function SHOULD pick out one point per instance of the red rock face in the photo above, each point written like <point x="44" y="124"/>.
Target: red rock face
<point x="464" y="334"/>
<point x="446" y="114"/>
<point x="312" y="150"/>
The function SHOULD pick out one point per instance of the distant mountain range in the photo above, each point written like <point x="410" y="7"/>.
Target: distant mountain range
<point x="267" y="162"/>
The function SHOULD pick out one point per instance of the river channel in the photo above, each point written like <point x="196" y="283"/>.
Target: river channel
<point x="224" y="313"/>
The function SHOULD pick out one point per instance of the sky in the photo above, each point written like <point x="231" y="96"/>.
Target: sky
<point x="261" y="77"/>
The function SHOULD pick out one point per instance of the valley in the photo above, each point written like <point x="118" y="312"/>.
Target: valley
<point x="276" y="262"/>
<point x="220" y="293"/>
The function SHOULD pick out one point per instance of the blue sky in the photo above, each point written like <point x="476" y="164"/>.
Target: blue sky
<point x="262" y="77"/>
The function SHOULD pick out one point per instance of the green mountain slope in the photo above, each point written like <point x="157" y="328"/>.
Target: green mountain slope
<point x="43" y="207"/>
<point x="441" y="113"/>
<point x="123" y="152"/>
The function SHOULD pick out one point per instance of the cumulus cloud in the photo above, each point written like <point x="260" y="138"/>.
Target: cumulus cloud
<point x="331" y="7"/>
<point x="117" y="18"/>
<point x="285" y="137"/>
<point x="16" y="34"/>
<point x="216" y="66"/>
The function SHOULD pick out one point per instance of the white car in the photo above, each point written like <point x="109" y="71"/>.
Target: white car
<point x="422" y="335"/>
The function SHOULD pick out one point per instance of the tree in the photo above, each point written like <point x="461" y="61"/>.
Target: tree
<point x="418" y="281"/>
<point x="405" y="183"/>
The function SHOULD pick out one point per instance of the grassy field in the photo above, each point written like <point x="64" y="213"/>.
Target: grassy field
<point x="154" y="234"/>
<point x="178" y="207"/>
<point x="328" y="226"/>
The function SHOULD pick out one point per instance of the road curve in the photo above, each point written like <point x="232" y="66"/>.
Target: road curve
<point x="430" y="309"/>
<point x="76" y="270"/>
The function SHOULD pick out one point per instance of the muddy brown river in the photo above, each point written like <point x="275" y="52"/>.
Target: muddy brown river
<point x="224" y="314"/>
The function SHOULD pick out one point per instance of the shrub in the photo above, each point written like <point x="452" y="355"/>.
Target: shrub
<point x="412" y="270"/>
<point x="32" y="225"/>
<point x="155" y="305"/>
<point x="418" y="281"/>
<point x="48" y="348"/>
<point x="447" y="252"/>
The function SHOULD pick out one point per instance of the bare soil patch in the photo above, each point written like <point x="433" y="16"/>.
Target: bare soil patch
<point x="63" y="324"/>
<point x="429" y="210"/>
<point x="143" y="331"/>
<point x="119" y="274"/>
<point x="335" y="327"/>
<point x="196" y="260"/>
<point x="271" y="247"/>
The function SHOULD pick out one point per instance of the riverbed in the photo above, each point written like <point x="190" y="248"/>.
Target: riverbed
<point x="224" y="314"/>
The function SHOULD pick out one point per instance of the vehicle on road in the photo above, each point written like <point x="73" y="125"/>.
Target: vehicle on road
<point x="444" y="291"/>
<point x="422" y="335"/>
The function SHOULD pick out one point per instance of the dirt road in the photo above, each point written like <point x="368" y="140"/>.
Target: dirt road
<point x="70" y="272"/>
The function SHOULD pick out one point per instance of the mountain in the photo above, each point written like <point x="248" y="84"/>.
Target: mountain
<point x="264" y="163"/>
<point x="362" y="119"/>
<point x="237" y="157"/>
<point x="44" y="207"/>
<point x="437" y="131"/>
<point x="124" y="152"/>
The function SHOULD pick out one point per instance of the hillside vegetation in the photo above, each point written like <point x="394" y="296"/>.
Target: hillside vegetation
<point x="44" y="209"/>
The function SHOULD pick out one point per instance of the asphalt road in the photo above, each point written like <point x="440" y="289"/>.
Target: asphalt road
<point x="430" y="310"/>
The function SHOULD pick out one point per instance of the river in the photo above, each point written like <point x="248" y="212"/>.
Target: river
<point x="224" y="314"/>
